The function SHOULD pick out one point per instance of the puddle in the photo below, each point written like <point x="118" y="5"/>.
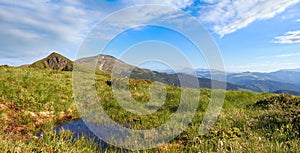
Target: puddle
<point x="78" y="128"/>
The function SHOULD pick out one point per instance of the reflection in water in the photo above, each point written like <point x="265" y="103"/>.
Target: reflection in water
<point x="78" y="128"/>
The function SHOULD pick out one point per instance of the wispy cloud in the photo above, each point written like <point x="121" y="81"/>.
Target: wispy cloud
<point x="288" y="38"/>
<point x="35" y="27"/>
<point x="171" y="3"/>
<point x="279" y="56"/>
<point x="287" y="55"/>
<point x="31" y="29"/>
<point x="41" y="26"/>
<point x="138" y="17"/>
<point x="298" y="20"/>
<point x="227" y="16"/>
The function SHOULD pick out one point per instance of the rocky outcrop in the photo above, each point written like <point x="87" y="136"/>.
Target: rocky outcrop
<point x="54" y="61"/>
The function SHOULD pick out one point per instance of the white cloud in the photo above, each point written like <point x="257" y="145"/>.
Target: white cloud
<point x="280" y="56"/>
<point x="171" y="3"/>
<point x="210" y="1"/>
<point x="288" y="38"/>
<point x="287" y="55"/>
<point x="40" y="26"/>
<point x="138" y="17"/>
<point x="31" y="28"/>
<point x="227" y="16"/>
<point x="34" y="27"/>
<point x="298" y="20"/>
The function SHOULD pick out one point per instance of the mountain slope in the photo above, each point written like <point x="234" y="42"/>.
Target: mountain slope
<point x="54" y="61"/>
<point x="288" y="76"/>
<point x="105" y="63"/>
<point x="116" y="67"/>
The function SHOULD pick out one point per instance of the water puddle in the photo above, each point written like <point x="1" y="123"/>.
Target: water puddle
<point x="78" y="128"/>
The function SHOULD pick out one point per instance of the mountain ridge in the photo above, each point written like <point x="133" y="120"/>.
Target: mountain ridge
<point x="122" y="69"/>
<point x="283" y="80"/>
<point x="253" y="81"/>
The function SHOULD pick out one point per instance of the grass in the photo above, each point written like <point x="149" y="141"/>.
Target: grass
<point x="49" y="142"/>
<point x="35" y="100"/>
<point x="29" y="97"/>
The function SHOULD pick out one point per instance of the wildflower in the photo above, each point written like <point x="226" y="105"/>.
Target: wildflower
<point x="221" y="143"/>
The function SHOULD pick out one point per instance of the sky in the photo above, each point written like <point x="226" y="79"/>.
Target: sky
<point x="252" y="35"/>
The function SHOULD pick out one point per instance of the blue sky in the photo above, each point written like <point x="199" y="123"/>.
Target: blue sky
<point x="254" y="35"/>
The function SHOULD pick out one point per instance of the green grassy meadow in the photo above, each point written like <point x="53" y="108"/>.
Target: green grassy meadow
<point x="35" y="100"/>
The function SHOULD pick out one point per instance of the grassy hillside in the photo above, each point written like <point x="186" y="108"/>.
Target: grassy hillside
<point x="34" y="100"/>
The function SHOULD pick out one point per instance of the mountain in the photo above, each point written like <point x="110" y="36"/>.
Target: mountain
<point x="280" y="81"/>
<point x="259" y="82"/>
<point x="200" y="73"/>
<point x="266" y="82"/>
<point x="288" y="76"/>
<point x="107" y="64"/>
<point x="54" y="61"/>
<point x="276" y="82"/>
<point x="168" y="71"/>
<point x="268" y="85"/>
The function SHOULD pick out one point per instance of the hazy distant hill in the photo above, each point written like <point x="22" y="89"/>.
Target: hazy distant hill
<point x="268" y="86"/>
<point x="288" y="76"/>
<point x="262" y="81"/>
<point x="54" y="61"/>
<point x="285" y="81"/>
<point x="284" y="76"/>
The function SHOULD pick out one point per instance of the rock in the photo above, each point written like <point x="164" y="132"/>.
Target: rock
<point x="54" y="61"/>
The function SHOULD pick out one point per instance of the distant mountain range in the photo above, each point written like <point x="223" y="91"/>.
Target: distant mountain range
<point x="268" y="82"/>
<point x="283" y="81"/>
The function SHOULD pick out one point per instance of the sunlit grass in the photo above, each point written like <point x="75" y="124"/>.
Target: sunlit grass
<point x="34" y="100"/>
